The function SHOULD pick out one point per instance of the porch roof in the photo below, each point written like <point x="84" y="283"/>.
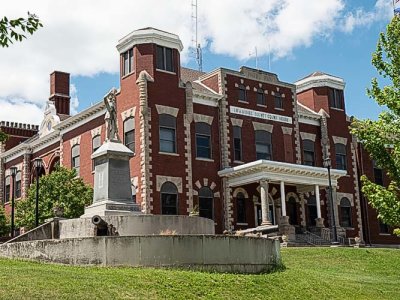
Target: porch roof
<point x="275" y="171"/>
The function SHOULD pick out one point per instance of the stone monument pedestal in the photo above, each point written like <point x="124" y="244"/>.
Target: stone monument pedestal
<point x="112" y="182"/>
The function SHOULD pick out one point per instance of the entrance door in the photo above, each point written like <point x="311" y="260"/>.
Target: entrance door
<point x="292" y="211"/>
<point x="312" y="211"/>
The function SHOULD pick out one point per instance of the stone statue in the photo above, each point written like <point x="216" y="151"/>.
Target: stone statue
<point x="111" y="116"/>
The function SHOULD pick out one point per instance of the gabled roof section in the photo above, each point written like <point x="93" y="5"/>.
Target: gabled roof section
<point x="193" y="77"/>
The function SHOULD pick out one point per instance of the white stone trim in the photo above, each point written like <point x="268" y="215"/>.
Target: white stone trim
<point x="160" y="180"/>
<point x="339" y="140"/>
<point x="131" y="112"/>
<point x="237" y="122"/>
<point x="203" y="118"/>
<point x="75" y="141"/>
<point x="287" y="130"/>
<point x="240" y="190"/>
<point x="96" y="131"/>
<point x="308" y="136"/>
<point x="169" y="110"/>
<point x="349" y="196"/>
<point x="323" y="80"/>
<point x="263" y="126"/>
<point x="294" y="195"/>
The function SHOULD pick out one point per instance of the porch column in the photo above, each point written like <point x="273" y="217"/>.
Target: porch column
<point x="264" y="203"/>
<point x="284" y="219"/>
<point x="319" y="220"/>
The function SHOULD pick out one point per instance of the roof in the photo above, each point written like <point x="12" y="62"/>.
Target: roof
<point x="317" y="74"/>
<point x="193" y="76"/>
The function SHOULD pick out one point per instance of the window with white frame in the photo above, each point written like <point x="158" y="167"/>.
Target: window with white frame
<point x="76" y="158"/>
<point x="341" y="157"/>
<point x="127" y="66"/>
<point x="237" y="142"/>
<point x="336" y="98"/>
<point x="167" y="133"/>
<point x="7" y="188"/>
<point x="203" y="140"/>
<point x="18" y="185"/>
<point x="129" y="133"/>
<point x="165" y="59"/>
<point x="96" y="143"/>
<point x="263" y="144"/>
<point x="308" y="153"/>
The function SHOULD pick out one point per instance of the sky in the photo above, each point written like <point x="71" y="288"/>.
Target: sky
<point x="293" y="38"/>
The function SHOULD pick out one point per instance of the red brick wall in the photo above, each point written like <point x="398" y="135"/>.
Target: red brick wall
<point x="212" y="83"/>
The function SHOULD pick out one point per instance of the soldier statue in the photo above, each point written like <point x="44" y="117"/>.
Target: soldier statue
<point x="111" y="116"/>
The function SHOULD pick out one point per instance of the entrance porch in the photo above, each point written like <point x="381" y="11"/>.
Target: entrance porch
<point x="274" y="179"/>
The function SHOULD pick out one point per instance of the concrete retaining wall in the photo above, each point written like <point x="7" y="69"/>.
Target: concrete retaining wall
<point x="216" y="253"/>
<point x="139" y="225"/>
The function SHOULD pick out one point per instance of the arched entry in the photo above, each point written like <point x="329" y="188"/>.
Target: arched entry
<point x="311" y="211"/>
<point x="54" y="164"/>
<point x="291" y="210"/>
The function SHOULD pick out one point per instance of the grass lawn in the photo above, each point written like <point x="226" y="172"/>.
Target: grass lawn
<point x="311" y="273"/>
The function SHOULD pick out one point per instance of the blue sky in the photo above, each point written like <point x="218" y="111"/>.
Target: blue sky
<point x="332" y="36"/>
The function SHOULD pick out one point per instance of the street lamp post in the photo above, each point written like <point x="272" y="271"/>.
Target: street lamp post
<point x="327" y="164"/>
<point x="13" y="171"/>
<point x="37" y="164"/>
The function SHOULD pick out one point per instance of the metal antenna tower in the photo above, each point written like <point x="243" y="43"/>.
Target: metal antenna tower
<point x="196" y="46"/>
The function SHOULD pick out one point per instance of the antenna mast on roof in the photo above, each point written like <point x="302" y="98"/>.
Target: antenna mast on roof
<point x="199" y="54"/>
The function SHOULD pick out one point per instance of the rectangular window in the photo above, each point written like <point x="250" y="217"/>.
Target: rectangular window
<point x="336" y="98"/>
<point x="203" y="140"/>
<point x="96" y="143"/>
<point x="242" y="93"/>
<point x="76" y="159"/>
<point x="341" y="157"/>
<point x="164" y="59"/>
<point x="308" y="153"/>
<point x="18" y="185"/>
<point x="241" y="210"/>
<point x="383" y="228"/>
<point x="167" y="133"/>
<point x="129" y="133"/>
<point x="128" y="62"/>
<point x="237" y="143"/>
<point x="378" y="174"/>
<point x="7" y="189"/>
<point x="263" y="145"/>
<point x="278" y="101"/>
<point x="260" y="97"/>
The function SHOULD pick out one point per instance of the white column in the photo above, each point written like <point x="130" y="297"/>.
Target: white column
<point x="318" y="201"/>
<point x="283" y="199"/>
<point x="264" y="203"/>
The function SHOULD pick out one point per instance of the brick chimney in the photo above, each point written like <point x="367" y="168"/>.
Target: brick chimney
<point x="59" y="92"/>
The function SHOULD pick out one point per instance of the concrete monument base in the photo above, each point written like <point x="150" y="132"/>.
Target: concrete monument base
<point x="112" y="183"/>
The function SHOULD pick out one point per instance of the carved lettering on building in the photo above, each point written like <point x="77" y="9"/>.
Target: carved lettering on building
<point x="260" y="115"/>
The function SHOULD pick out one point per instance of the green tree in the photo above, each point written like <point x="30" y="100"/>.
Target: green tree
<point x="3" y="136"/>
<point x="17" y="28"/>
<point x="60" y="189"/>
<point x="381" y="138"/>
<point x="4" y="222"/>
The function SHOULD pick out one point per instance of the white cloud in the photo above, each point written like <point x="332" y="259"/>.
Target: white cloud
<point x="80" y="36"/>
<point x="20" y="111"/>
<point x="383" y="10"/>
<point x="74" y="99"/>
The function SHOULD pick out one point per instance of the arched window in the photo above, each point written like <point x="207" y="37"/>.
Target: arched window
<point x="241" y="208"/>
<point x="292" y="211"/>
<point x="18" y="185"/>
<point x="263" y="144"/>
<point x="203" y="140"/>
<point x="167" y="133"/>
<point x="237" y="142"/>
<point x="242" y="93"/>
<point x="7" y="189"/>
<point x="169" y="199"/>
<point x="55" y="163"/>
<point x="129" y="133"/>
<point x="308" y="153"/>
<point x="341" y="160"/>
<point x="76" y="158"/>
<point x="261" y="97"/>
<point x="345" y="212"/>
<point x="96" y="143"/>
<point x="206" y="205"/>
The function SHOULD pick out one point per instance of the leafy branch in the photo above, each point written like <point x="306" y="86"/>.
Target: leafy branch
<point x="16" y="29"/>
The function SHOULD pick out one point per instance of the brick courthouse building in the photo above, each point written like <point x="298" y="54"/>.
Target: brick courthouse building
<point x="242" y="146"/>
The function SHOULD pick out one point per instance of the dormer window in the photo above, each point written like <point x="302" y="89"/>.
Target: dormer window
<point x="336" y="98"/>
<point x="127" y="68"/>
<point x="165" y="59"/>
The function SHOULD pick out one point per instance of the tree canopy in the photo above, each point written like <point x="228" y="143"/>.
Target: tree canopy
<point x="381" y="138"/>
<point x="3" y="136"/>
<point x="15" y="29"/>
<point x="4" y="223"/>
<point x="62" y="189"/>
